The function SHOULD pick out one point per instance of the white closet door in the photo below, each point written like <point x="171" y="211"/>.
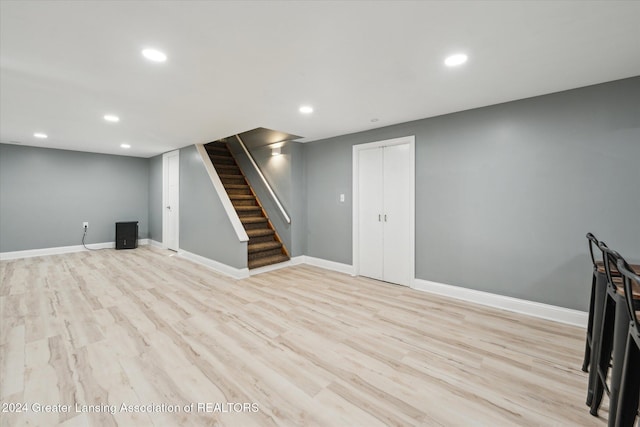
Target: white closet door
<point x="170" y="197"/>
<point x="370" y="213"/>
<point x="397" y="253"/>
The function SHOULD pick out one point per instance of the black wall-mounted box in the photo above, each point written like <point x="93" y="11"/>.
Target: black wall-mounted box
<point x="127" y="235"/>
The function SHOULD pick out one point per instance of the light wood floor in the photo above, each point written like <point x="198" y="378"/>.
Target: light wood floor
<point x="303" y="345"/>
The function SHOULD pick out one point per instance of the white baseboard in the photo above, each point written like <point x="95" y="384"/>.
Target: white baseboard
<point x="155" y="243"/>
<point x="30" y="253"/>
<point x="301" y="259"/>
<point x="236" y="273"/>
<point x="297" y="260"/>
<point x="531" y="308"/>
<point x="323" y="263"/>
<point x="272" y="267"/>
<point x="245" y="272"/>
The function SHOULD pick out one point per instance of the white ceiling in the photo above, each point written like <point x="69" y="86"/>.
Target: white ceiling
<point x="235" y="66"/>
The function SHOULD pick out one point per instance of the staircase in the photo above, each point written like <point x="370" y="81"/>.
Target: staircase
<point x="264" y="247"/>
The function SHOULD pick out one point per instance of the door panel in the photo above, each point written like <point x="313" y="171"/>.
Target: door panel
<point x="370" y="213"/>
<point x="170" y="214"/>
<point x="397" y="214"/>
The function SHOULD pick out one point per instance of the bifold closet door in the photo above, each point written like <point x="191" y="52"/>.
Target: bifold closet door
<point x="370" y="187"/>
<point x="384" y="206"/>
<point x="397" y="187"/>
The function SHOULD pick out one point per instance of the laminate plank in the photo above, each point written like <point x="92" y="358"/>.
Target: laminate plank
<point x="59" y="359"/>
<point x="12" y="369"/>
<point x="345" y="412"/>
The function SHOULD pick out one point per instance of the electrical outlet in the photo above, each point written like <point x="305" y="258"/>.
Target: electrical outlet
<point x="85" y="225"/>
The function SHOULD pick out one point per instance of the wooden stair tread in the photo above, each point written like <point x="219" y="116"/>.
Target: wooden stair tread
<point x="226" y="166"/>
<point x="218" y="150"/>
<point x="227" y="169"/>
<point x="235" y="185"/>
<point x="264" y="246"/>
<point x="248" y="208"/>
<point x="244" y="202"/>
<point x="241" y="196"/>
<point x="219" y="157"/>
<point x="230" y="176"/>
<point x="260" y="232"/>
<point x="252" y="219"/>
<point x="261" y="262"/>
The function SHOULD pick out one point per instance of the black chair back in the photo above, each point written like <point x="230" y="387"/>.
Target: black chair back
<point x="631" y="280"/>
<point x="592" y="241"/>
<point x="610" y="258"/>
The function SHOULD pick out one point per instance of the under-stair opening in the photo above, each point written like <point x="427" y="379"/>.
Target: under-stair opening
<point x="265" y="247"/>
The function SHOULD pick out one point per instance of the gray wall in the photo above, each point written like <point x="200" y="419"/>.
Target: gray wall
<point x="155" y="198"/>
<point x="298" y="207"/>
<point x="46" y="194"/>
<point x="328" y="174"/>
<point x="504" y="194"/>
<point x="205" y="228"/>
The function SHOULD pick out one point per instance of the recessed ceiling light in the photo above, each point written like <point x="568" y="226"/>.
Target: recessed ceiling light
<point x="306" y="109"/>
<point x="154" y="55"/>
<point x="455" y="60"/>
<point x="41" y="135"/>
<point x="125" y="146"/>
<point x="374" y="120"/>
<point x="112" y="118"/>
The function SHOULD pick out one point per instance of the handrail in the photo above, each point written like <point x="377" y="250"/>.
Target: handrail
<point x="264" y="180"/>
